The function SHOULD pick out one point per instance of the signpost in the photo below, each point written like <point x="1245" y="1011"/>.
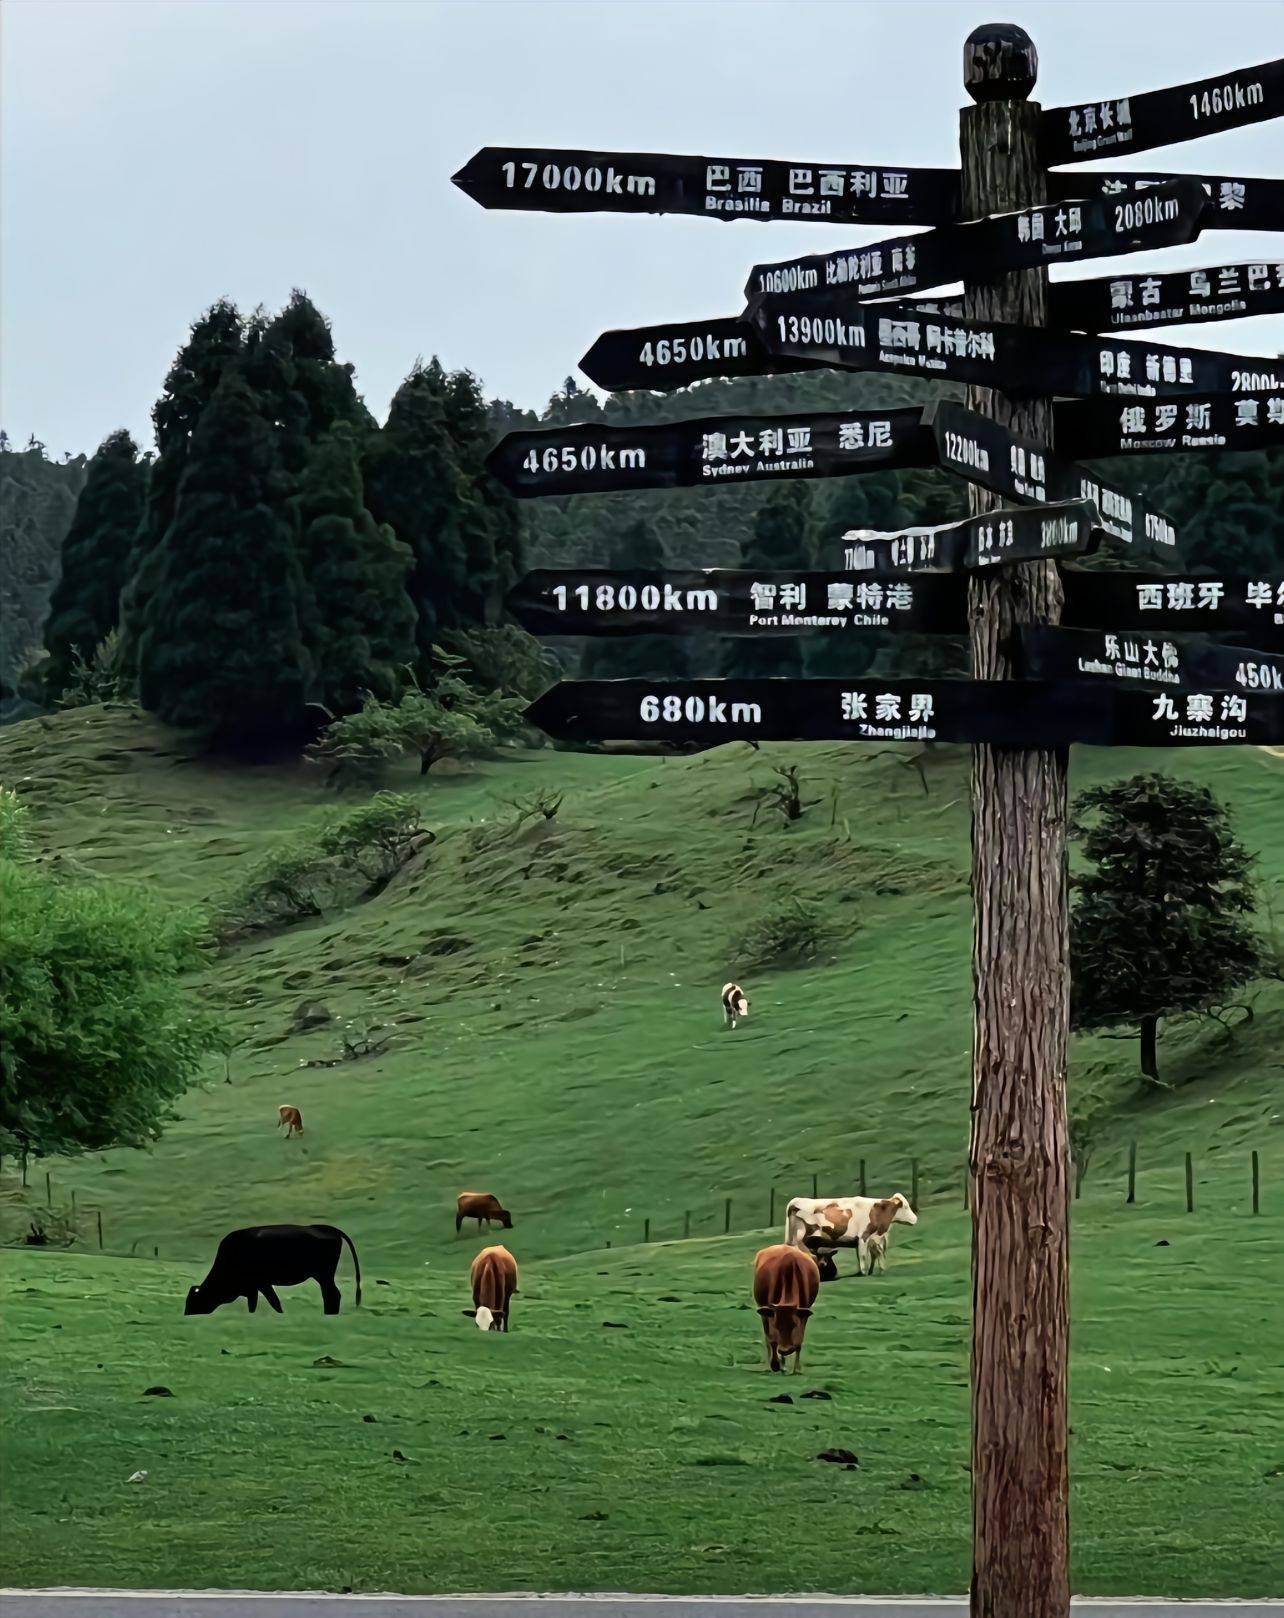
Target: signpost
<point x="1060" y="655"/>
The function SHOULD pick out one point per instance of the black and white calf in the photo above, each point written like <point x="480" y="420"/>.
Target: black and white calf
<point x="735" y="1006"/>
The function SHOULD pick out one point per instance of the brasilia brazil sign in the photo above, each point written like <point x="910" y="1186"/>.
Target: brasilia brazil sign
<point x="1164" y="657"/>
<point x="1001" y="713"/>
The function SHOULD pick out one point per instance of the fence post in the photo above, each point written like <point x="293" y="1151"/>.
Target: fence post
<point x="726" y="1223"/>
<point x="48" y="1189"/>
<point x="914" y="1183"/>
<point x="100" y="1230"/>
<point x="24" y="1170"/>
<point x="771" y="1207"/>
<point x="1190" y="1184"/>
<point x="1257" y="1186"/>
<point x="646" y="1230"/>
<point x="815" y="1186"/>
<point x="862" y="1176"/>
<point x="1132" y="1171"/>
<point x="967" y="1186"/>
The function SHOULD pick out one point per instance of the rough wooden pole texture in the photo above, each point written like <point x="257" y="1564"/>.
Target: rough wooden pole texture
<point x="1020" y="1254"/>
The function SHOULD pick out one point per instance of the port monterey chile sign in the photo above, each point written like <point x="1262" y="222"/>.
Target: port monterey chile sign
<point x="711" y="451"/>
<point x="1092" y="427"/>
<point x="989" y="353"/>
<point x="1177" y="297"/>
<point x="1160" y="657"/>
<point x="1022" y="469"/>
<point x="1056" y="233"/>
<point x="1017" y="713"/>
<point x="1135" y="123"/>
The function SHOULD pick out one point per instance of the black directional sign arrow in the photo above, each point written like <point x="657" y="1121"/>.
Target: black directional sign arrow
<point x="1120" y="125"/>
<point x="1248" y="606"/>
<point x="560" y="181"/>
<point x="1091" y="427"/>
<point x="1178" y="297"/>
<point x="1056" y="233"/>
<point x="1035" y="713"/>
<point x="1154" y="657"/>
<point x="1245" y="203"/>
<point x="1020" y="468"/>
<point x="1025" y="534"/>
<point x="1018" y="359"/>
<point x="713" y="452"/>
<point x="681" y="352"/>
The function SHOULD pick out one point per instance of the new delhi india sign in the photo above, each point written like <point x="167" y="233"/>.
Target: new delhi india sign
<point x="1063" y="652"/>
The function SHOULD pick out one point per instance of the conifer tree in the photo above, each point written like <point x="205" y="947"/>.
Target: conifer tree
<point x="303" y="389"/>
<point x="491" y="524"/>
<point x="222" y="646"/>
<point x="95" y="555"/>
<point x="360" y="621"/>
<point x="781" y="538"/>
<point x="636" y="547"/>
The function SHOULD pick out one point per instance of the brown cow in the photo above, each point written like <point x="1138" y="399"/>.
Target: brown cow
<point x="292" y="1119"/>
<point x="494" y="1278"/>
<point x="480" y="1205"/>
<point x="785" y="1284"/>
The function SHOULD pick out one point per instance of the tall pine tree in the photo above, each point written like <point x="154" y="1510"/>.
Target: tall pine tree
<point x="359" y="619"/>
<point x="222" y="645"/>
<point x="781" y="538"/>
<point x="637" y="546"/>
<point x="491" y="525"/>
<point x="95" y="555"/>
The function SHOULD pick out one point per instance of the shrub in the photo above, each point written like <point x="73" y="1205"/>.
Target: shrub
<point x="785" y="934"/>
<point x="101" y="679"/>
<point x="15" y="831"/>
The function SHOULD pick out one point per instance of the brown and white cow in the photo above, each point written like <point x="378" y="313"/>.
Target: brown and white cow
<point x="291" y="1119"/>
<point x="785" y="1284"/>
<point x="735" y="1004"/>
<point x="494" y="1280"/>
<point x="480" y="1205"/>
<point x="817" y="1223"/>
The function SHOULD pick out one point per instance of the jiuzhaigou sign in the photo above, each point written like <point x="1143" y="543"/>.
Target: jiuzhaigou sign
<point x="1021" y="469"/>
<point x="1177" y="297"/>
<point x="589" y="601"/>
<point x="1025" y="534"/>
<point x="712" y="452"/>
<point x="1157" y="657"/>
<point x="1135" y="123"/>
<point x="1056" y="233"/>
<point x="1006" y="713"/>
<point x="1092" y="427"/>
<point x="1246" y="203"/>
<point x="1019" y="360"/>
<point x="553" y="180"/>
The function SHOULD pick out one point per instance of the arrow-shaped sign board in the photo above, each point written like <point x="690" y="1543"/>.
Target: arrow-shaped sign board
<point x="1162" y="657"/>
<point x="1017" y="713"/>
<point x="1055" y="233"/>
<point x="1023" y="534"/>
<point x="1022" y="469"/>
<point x="1248" y="606"/>
<point x="711" y="452"/>
<point x="677" y="353"/>
<point x="1178" y="297"/>
<point x="1091" y="427"/>
<point x="1160" y="117"/>
<point x="1245" y="203"/>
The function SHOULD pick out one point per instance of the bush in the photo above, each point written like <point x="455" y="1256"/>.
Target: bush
<point x="98" y="1038"/>
<point x="15" y="831"/>
<point x="101" y="679"/>
<point x="787" y="934"/>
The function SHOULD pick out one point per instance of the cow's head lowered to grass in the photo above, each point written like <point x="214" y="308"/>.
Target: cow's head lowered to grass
<point x="784" y="1329"/>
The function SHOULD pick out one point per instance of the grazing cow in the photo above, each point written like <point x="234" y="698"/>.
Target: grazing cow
<point x="480" y="1205"/>
<point x="817" y="1222"/>
<point x="264" y="1257"/>
<point x="785" y="1284"/>
<point x="494" y="1278"/>
<point x="735" y="1006"/>
<point x="292" y="1119"/>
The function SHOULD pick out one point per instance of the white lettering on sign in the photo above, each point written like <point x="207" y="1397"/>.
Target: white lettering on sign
<point x="582" y="458"/>
<point x="696" y="710"/>
<point x="696" y="348"/>
<point x="1232" y="96"/>
<point x="1131" y="216"/>
<point x="965" y="451"/>
<point x="630" y="598"/>
<point x="571" y="177"/>
<point x="820" y="330"/>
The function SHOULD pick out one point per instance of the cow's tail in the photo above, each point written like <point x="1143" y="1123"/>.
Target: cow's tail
<point x="356" y="1264"/>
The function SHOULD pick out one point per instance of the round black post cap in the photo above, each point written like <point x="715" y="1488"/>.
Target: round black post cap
<point x="1000" y="63"/>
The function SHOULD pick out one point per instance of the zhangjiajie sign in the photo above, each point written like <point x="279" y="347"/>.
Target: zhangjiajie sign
<point x="1007" y="713"/>
<point x="712" y="451"/>
<point x="901" y="337"/>
<point x="1056" y="233"/>
<point x="1158" y="657"/>
<point x="1134" y="123"/>
<point x="1092" y="427"/>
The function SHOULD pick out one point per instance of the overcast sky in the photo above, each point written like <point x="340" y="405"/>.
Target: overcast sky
<point x="159" y="154"/>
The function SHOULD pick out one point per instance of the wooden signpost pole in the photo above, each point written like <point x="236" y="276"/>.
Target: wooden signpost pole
<point x="1020" y="1327"/>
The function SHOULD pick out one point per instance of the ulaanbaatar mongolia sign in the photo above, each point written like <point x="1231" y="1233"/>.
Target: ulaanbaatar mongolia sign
<point x="711" y="451"/>
<point x="1022" y="469"/>
<point x="559" y="181"/>
<point x="1160" y="117"/>
<point x="1092" y="427"/>
<point x="1056" y="233"/>
<point x="1160" y="657"/>
<point x="990" y="353"/>
<point x="1025" y="534"/>
<point x="1177" y="297"/>
<point x="1235" y="204"/>
<point x="1016" y="713"/>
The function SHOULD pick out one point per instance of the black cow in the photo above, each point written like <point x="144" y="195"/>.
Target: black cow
<point x="267" y="1256"/>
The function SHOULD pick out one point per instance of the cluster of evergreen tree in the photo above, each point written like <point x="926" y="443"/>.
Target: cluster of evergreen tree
<point x="37" y="503"/>
<point x="282" y="554"/>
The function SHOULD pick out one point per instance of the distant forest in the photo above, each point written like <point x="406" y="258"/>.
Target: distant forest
<point x="277" y="552"/>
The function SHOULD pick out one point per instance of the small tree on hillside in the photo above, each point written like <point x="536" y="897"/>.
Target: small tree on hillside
<point x="1157" y="923"/>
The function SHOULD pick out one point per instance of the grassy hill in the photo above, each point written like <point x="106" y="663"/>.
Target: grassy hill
<point x="553" y="989"/>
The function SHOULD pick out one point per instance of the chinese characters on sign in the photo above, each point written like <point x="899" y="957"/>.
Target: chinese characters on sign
<point x="1217" y="421"/>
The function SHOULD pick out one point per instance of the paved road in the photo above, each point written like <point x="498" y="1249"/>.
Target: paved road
<point x="154" y="1604"/>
